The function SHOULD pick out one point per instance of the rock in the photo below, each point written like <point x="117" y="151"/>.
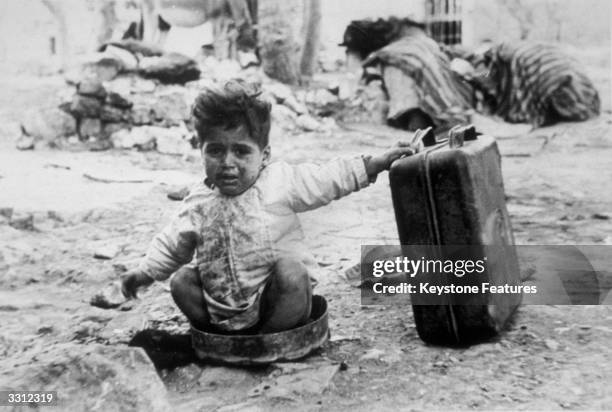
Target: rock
<point x="551" y="344"/>
<point x="178" y="194"/>
<point x="283" y="116"/>
<point x="25" y="143"/>
<point x="109" y="298"/>
<point x="136" y="137"/>
<point x="294" y="105"/>
<point x="123" y="327"/>
<point x="109" y="128"/>
<point x="141" y="114"/>
<point x="84" y="106"/>
<point x="312" y="380"/>
<point x="107" y="251"/>
<point x="173" y="140"/>
<point x="372" y="354"/>
<point x="308" y="123"/>
<point x="136" y="47"/>
<point x="111" y="114"/>
<point x="6" y="212"/>
<point x="129" y="62"/>
<point x="119" y="101"/>
<point x="107" y="68"/>
<point x="170" y="68"/>
<point x="89" y="127"/>
<point x="92" y="377"/>
<point x="48" y="124"/>
<point x="22" y="221"/>
<point x="279" y="91"/>
<point x="171" y="107"/>
<point x="132" y="84"/>
<point x="91" y="88"/>
<point x="320" y="98"/>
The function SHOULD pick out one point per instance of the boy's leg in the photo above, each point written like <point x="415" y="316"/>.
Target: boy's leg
<point x="287" y="299"/>
<point x="186" y="290"/>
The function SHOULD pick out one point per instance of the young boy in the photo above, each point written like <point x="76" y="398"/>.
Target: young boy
<point x="241" y="221"/>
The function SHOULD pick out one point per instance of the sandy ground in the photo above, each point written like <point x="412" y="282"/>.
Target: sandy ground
<point x="557" y="181"/>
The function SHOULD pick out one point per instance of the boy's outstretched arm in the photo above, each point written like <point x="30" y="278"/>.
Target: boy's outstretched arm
<point x="376" y="164"/>
<point x="172" y="248"/>
<point x="311" y="186"/>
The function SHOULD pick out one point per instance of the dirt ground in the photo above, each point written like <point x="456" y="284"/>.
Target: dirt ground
<point x="557" y="180"/>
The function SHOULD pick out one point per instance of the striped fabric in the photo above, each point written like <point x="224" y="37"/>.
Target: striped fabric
<point x="442" y="95"/>
<point x="539" y="84"/>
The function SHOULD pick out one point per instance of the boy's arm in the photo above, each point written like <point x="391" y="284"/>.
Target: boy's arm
<point x="312" y="186"/>
<point x="172" y="248"/>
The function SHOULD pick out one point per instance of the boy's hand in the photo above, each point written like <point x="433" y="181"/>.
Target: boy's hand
<point x="132" y="280"/>
<point x="376" y="164"/>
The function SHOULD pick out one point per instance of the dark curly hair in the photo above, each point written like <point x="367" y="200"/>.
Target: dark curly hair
<point x="237" y="103"/>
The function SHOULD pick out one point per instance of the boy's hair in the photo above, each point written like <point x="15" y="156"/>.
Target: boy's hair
<point x="235" y="104"/>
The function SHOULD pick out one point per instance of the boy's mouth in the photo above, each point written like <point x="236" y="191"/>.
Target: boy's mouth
<point x="226" y="179"/>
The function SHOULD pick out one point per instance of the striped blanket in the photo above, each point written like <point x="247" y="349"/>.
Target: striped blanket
<point x="439" y="92"/>
<point x="538" y="84"/>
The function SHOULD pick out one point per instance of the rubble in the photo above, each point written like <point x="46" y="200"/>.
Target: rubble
<point x="92" y="377"/>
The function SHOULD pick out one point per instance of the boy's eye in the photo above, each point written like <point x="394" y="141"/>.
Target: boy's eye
<point x="242" y="150"/>
<point x="214" y="150"/>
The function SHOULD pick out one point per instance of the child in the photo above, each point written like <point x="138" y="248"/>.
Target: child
<point x="241" y="221"/>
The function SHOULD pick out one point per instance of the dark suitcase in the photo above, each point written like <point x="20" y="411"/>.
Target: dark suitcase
<point x="451" y="193"/>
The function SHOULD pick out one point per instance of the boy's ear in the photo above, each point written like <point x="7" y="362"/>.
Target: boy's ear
<point x="267" y="154"/>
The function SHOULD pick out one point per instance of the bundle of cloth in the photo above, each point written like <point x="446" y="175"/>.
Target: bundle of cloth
<point x="534" y="83"/>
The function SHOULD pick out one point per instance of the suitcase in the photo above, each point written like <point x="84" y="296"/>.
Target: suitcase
<point x="451" y="193"/>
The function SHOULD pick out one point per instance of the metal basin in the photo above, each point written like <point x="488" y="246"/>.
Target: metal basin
<point x="265" y="348"/>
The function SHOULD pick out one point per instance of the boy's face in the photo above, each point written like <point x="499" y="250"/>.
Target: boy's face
<point x="233" y="160"/>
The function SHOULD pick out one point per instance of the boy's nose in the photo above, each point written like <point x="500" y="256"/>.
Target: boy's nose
<point x="229" y="159"/>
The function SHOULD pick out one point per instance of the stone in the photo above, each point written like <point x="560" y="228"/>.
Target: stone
<point x="109" y="128"/>
<point x="111" y="114"/>
<point x="107" y="251"/>
<point x="295" y="105"/>
<point x="130" y="84"/>
<point x="298" y="381"/>
<point x="91" y="377"/>
<point x="141" y="114"/>
<point x="25" y="143"/>
<point x="22" y="221"/>
<point x="89" y="127"/>
<point x="119" y="101"/>
<point x="169" y="68"/>
<point x="283" y="116"/>
<point x="320" y="98"/>
<point x="171" y="107"/>
<point x="280" y="91"/>
<point x="85" y="106"/>
<point x="107" y="68"/>
<point x="109" y="298"/>
<point x="136" y="47"/>
<point x="178" y="194"/>
<point x="136" y="137"/>
<point x="48" y="124"/>
<point x="308" y="123"/>
<point x="91" y="88"/>
<point x="127" y="58"/>
<point x="6" y="212"/>
<point x="172" y="140"/>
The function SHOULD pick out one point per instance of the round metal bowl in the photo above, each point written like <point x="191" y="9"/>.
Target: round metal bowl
<point x="265" y="348"/>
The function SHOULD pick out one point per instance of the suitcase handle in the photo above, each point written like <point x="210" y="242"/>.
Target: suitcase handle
<point x="423" y="138"/>
<point x="460" y="134"/>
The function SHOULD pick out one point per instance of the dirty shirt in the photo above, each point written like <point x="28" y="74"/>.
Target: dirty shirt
<point x="238" y="239"/>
